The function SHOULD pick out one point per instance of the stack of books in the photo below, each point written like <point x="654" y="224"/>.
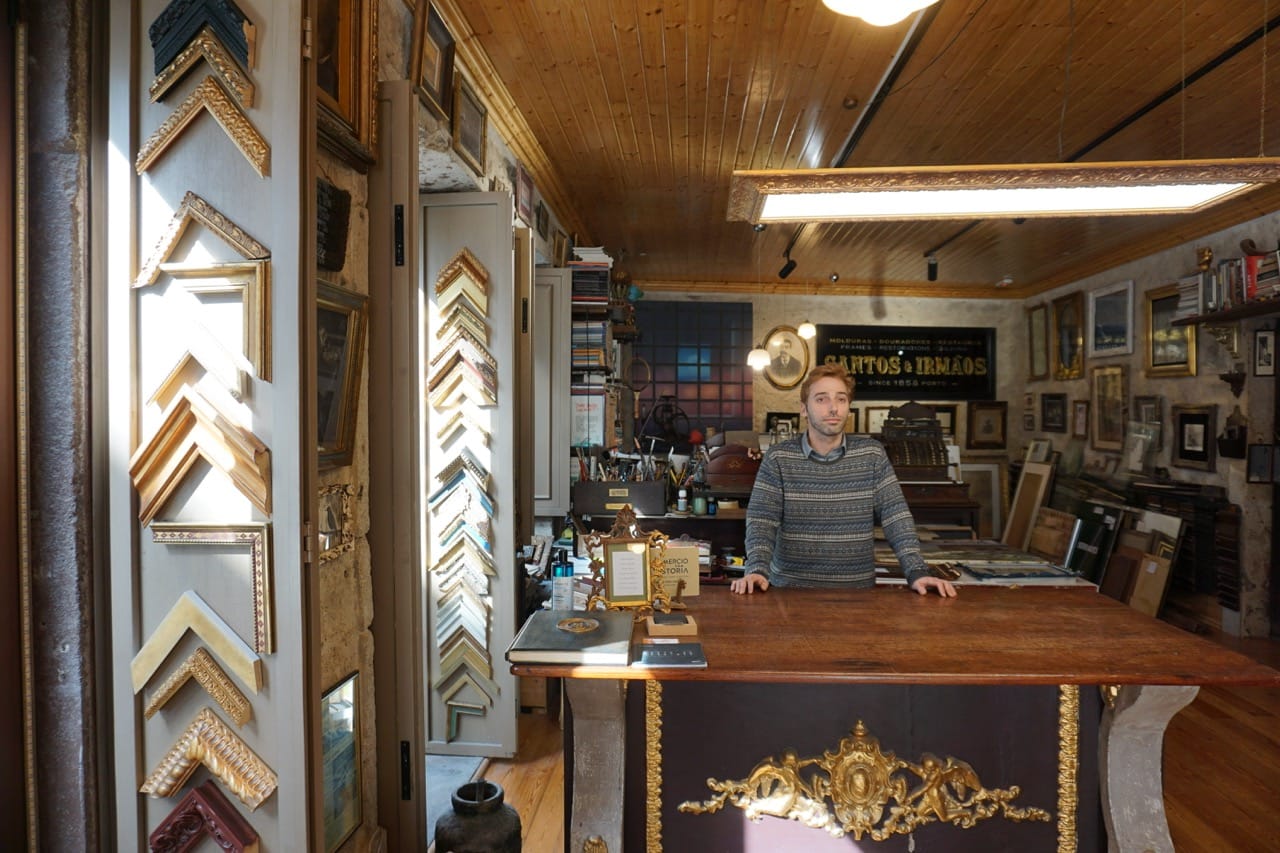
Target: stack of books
<point x="604" y="638"/>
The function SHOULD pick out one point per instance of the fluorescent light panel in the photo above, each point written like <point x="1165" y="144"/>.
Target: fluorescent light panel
<point x="1005" y="191"/>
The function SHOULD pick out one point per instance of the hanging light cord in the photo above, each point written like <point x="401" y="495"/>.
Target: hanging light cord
<point x="1262" y="107"/>
<point x="1066" y="73"/>
<point x="1182" y="91"/>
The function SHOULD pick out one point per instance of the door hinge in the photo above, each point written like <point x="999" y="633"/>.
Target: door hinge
<point x="308" y="544"/>
<point x="306" y="38"/>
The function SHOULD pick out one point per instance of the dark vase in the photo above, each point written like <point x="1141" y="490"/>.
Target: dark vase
<point x="479" y="823"/>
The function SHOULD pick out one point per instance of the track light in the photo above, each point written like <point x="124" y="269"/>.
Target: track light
<point x="789" y="267"/>
<point x="932" y="267"/>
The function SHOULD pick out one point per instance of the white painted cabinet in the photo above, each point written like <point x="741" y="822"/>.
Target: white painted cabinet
<point x="551" y="326"/>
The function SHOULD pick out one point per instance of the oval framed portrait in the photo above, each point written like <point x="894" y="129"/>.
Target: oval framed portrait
<point x="788" y="357"/>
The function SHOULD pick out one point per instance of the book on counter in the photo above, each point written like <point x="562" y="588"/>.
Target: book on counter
<point x="662" y="655"/>
<point x="574" y="637"/>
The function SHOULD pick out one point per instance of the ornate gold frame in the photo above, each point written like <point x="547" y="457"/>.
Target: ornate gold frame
<point x="191" y="612"/>
<point x="255" y="535"/>
<point x="627" y="530"/>
<point x="337" y="446"/>
<point x="342" y="538"/>
<point x="195" y="209"/>
<point x="210" y="742"/>
<point x="1068" y="339"/>
<point x="251" y="280"/>
<point x="210" y="96"/>
<point x="201" y="666"/>
<point x="1155" y="336"/>
<point x="208" y="47"/>
<point x="347" y="126"/>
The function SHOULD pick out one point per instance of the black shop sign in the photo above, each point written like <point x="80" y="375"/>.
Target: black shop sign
<point x="913" y="363"/>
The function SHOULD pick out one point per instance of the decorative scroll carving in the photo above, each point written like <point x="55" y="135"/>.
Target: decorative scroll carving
<point x="181" y="20"/>
<point x="850" y="790"/>
<point x="191" y="612"/>
<point x="205" y="670"/>
<point x="195" y="209"/>
<point x="1068" y="765"/>
<point x="194" y="428"/>
<point x="257" y="536"/>
<point x="251" y="281"/>
<point x="626" y="526"/>
<point x="653" y="766"/>
<point x="211" y="97"/>
<point x="204" y="812"/>
<point x="337" y="535"/>
<point x="205" y="46"/>
<point x="210" y="742"/>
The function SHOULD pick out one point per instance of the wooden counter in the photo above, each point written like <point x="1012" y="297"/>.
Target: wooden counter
<point x="1002" y="662"/>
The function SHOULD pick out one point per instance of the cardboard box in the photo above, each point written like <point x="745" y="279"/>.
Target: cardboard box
<point x="649" y="498"/>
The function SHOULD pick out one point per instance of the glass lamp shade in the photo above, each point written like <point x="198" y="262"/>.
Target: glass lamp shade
<point x="807" y="330"/>
<point x="758" y="358"/>
<point x="878" y="13"/>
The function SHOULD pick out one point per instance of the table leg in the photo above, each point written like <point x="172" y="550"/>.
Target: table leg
<point x="599" y="760"/>
<point x="1131" y="741"/>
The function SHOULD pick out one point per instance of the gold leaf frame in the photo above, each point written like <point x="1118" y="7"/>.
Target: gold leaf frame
<point x="627" y="530"/>
<point x="204" y="670"/>
<point x="1162" y="336"/>
<point x="1038" y="342"/>
<point x="251" y="281"/>
<point x="192" y="613"/>
<point x="470" y="125"/>
<point x="208" y="47"/>
<point x="211" y="742"/>
<point x="433" y="48"/>
<point x="195" y="209"/>
<point x="1068" y="337"/>
<point x="211" y="97"/>
<point x="339" y="539"/>
<point x="257" y="536"/>
<point x="336" y="423"/>
<point x="347" y="119"/>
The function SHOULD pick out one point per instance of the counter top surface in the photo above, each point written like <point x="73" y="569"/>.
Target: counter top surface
<point x="986" y="635"/>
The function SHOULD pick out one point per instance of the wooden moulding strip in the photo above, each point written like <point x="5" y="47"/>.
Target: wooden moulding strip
<point x="205" y="46"/>
<point x="251" y="281"/>
<point x="210" y="742"/>
<point x="191" y="612"/>
<point x="204" y="812"/>
<point x="257" y="537"/>
<point x="209" y="97"/>
<point x="194" y="428"/>
<point x="195" y="209"/>
<point x="463" y="263"/>
<point x="201" y="667"/>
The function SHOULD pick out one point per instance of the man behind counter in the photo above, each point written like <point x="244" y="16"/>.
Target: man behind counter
<point x="816" y="499"/>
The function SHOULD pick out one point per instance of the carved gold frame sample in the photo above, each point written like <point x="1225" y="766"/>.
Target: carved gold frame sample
<point x="195" y="209"/>
<point x="194" y="428"/>
<point x="255" y="535"/>
<point x="191" y="612"/>
<point x="210" y="742"/>
<point x="342" y="537"/>
<point x="209" y="97"/>
<point x="251" y="281"/>
<point x="201" y="667"/>
<point x="205" y="46"/>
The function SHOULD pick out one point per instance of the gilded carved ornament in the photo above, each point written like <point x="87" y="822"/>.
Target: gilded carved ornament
<point x="195" y="209"/>
<point x="210" y="742"/>
<point x="204" y="670"/>
<point x="209" y="97"/>
<point x="205" y="46"/>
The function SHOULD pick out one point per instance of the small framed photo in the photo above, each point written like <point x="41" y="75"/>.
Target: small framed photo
<point x="627" y="578"/>
<point x="524" y="194"/>
<point x="1194" y="431"/>
<point x="336" y="527"/>
<point x="341" y="319"/>
<point x="1149" y="409"/>
<point x="946" y="416"/>
<point x="1110" y="393"/>
<point x="541" y="219"/>
<point x="1111" y="320"/>
<point x="1264" y="352"/>
<point x="1171" y="350"/>
<point x="782" y="424"/>
<point x="1259" y="465"/>
<point x="1079" y="418"/>
<point x="1053" y="412"/>
<point x="987" y="425"/>
<point x="560" y="248"/>
<point x="788" y="357"/>
<point x="1068" y="336"/>
<point x="432" y="60"/>
<point x="1029" y="421"/>
<point x="876" y="416"/>
<point x="470" y="125"/>
<point x="1038" y="342"/>
<point x="340" y="737"/>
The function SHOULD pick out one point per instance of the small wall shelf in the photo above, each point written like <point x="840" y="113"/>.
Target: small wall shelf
<point x="1258" y="308"/>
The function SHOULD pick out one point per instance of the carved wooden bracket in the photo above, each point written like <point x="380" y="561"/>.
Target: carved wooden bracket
<point x="210" y="742"/>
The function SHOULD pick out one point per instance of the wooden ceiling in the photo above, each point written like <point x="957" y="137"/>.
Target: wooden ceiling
<point x="632" y="115"/>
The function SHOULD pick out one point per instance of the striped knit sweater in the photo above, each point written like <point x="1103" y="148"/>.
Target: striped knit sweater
<point x="811" y="522"/>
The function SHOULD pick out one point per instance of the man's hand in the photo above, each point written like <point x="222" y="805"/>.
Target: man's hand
<point x="922" y="585"/>
<point x="750" y="583"/>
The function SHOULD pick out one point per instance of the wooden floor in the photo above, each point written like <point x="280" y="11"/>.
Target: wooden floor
<point x="1222" y="770"/>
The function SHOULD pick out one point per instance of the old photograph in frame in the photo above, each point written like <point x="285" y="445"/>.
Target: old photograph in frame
<point x="470" y="125"/>
<point x="346" y="79"/>
<point x="1068" y="336"/>
<point x="1038" y="342"/>
<point x="987" y="426"/>
<point x="876" y="416"/>
<point x="946" y="415"/>
<point x="1053" y="412"/>
<point x="341" y="320"/>
<point x="340" y="764"/>
<point x="433" y="60"/>
<point x="1264" y="352"/>
<point x="627" y="572"/>
<point x="1195" y="430"/>
<point x="788" y="357"/>
<point x="1079" y="418"/>
<point x="1110" y="393"/>
<point x="1170" y="349"/>
<point x="1111" y="320"/>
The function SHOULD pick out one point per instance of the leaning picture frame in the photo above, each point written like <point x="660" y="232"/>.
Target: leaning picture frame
<point x="627" y="573"/>
<point x="346" y="81"/>
<point x="432" y="71"/>
<point x="1110" y="324"/>
<point x="340" y="765"/>
<point x="988" y="483"/>
<point x="1068" y="336"/>
<point x="1170" y="349"/>
<point x="1108" y="407"/>
<point x="1038" y="342"/>
<point x="788" y="357"/>
<point x="986" y="427"/>
<point x="341" y="321"/>
<point x="470" y="125"/>
<point x="1264" y="352"/>
<point x="1194" y="435"/>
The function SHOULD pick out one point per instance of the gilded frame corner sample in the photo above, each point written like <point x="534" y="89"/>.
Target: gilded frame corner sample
<point x="1038" y="342"/>
<point x="1111" y="320"/>
<point x="345" y="49"/>
<point x="628" y="580"/>
<point x="788" y="357"/>
<point x="341" y="320"/>
<point x="470" y="125"/>
<point x="1053" y="412"/>
<point x="1109" y="398"/>
<point x="1170" y="349"/>
<point x="1195" y="433"/>
<point x="1079" y="418"/>
<point x="340" y="734"/>
<point x="1264" y="352"/>
<point x="1068" y="336"/>
<point x="433" y="49"/>
<point x="987" y="425"/>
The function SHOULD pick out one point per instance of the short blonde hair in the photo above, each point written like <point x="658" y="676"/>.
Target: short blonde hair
<point x="824" y="371"/>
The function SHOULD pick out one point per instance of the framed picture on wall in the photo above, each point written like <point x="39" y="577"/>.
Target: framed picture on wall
<point x="851" y="425"/>
<point x="1079" y="418"/>
<point x="946" y="415"/>
<point x="470" y="125"/>
<point x="1170" y="349"/>
<point x="524" y="194"/>
<point x="341" y="318"/>
<point x="1258" y="467"/>
<point x="788" y="357"/>
<point x="432" y="60"/>
<point x="1149" y="409"/>
<point x="1109" y="396"/>
<point x="1264" y="352"/>
<point x="1111" y="320"/>
<point x="876" y="416"/>
<point x="987" y="425"/>
<point x="1194" y="432"/>
<point x="1053" y="412"/>
<point x="340" y="765"/>
<point x="345" y="85"/>
<point x="782" y="424"/>
<point x="1038" y="342"/>
<point x="1068" y="336"/>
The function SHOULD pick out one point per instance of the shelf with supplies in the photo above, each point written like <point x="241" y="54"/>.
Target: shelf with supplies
<point x="1256" y="308"/>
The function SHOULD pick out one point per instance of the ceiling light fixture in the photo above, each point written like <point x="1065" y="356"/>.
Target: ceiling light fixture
<point x="996" y="191"/>
<point x="879" y="13"/>
<point x="787" y="268"/>
<point x="931" y="266"/>
<point x="807" y="330"/>
<point x="758" y="358"/>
